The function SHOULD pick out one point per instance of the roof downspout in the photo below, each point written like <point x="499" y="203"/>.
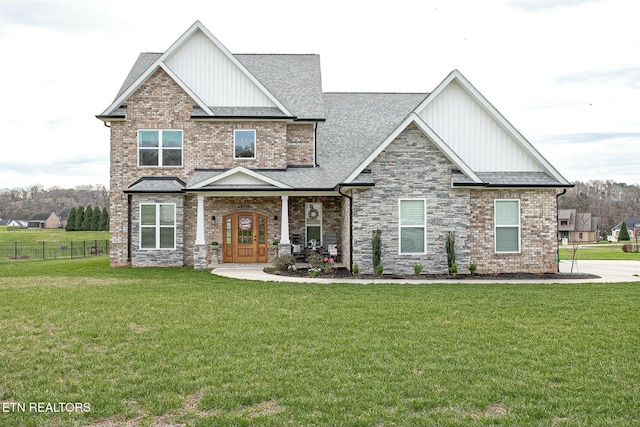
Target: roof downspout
<point x="129" y="196"/>
<point x="350" y="226"/>
<point x="315" y="144"/>
<point x="564" y="191"/>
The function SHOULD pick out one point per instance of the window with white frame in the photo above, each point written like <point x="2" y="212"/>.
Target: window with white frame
<point x="244" y="144"/>
<point x="413" y="226"/>
<point x="157" y="225"/>
<point x="160" y="148"/>
<point x="507" y="226"/>
<point x="313" y="223"/>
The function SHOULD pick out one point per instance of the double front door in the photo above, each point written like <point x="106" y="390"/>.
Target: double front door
<point x="245" y="237"/>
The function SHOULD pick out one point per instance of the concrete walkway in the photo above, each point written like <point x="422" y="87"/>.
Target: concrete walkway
<point x="609" y="271"/>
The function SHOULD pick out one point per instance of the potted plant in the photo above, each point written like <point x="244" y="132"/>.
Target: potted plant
<point x="214" y="244"/>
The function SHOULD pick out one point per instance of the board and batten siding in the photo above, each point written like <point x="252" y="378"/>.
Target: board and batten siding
<point x="474" y="134"/>
<point x="198" y="59"/>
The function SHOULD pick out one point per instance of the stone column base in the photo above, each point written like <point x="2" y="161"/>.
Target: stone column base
<point x="284" y="249"/>
<point x="200" y="257"/>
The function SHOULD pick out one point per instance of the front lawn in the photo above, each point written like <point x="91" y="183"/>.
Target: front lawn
<point x="142" y="347"/>
<point x="590" y="251"/>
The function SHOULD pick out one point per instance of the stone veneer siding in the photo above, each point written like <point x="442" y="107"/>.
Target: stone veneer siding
<point x="538" y="232"/>
<point x="157" y="257"/>
<point x="161" y="104"/>
<point x="411" y="167"/>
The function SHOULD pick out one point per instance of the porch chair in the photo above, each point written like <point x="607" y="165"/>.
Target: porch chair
<point x="330" y="247"/>
<point x="298" y="249"/>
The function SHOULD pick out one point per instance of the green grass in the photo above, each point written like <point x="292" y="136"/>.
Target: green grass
<point x="600" y="252"/>
<point x="177" y="346"/>
<point x="50" y="235"/>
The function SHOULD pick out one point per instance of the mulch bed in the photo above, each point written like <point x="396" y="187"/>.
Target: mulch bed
<point x="343" y="273"/>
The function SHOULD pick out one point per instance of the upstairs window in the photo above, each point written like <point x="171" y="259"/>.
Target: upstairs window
<point x="507" y="226"/>
<point x="160" y="148"/>
<point x="244" y="144"/>
<point x="413" y="226"/>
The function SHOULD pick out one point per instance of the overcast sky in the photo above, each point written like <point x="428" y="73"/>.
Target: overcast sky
<point x="566" y="73"/>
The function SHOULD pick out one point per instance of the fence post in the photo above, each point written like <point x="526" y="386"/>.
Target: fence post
<point x="43" y="250"/>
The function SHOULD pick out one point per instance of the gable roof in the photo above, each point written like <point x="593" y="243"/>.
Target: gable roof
<point x="529" y="159"/>
<point x="42" y="216"/>
<point x="631" y="223"/>
<point x="287" y="86"/>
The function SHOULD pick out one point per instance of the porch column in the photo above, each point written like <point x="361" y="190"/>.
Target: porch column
<point x="200" y="222"/>
<point x="284" y="221"/>
<point x="200" y="247"/>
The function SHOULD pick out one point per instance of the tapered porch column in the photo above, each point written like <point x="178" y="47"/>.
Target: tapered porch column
<point x="200" y="247"/>
<point x="284" y="221"/>
<point x="200" y="222"/>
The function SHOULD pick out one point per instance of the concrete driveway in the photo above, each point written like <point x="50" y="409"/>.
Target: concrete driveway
<point x="609" y="271"/>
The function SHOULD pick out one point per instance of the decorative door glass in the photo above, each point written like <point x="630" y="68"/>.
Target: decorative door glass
<point x="245" y="229"/>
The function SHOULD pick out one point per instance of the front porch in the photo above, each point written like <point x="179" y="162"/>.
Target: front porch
<point x="254" y="228"/>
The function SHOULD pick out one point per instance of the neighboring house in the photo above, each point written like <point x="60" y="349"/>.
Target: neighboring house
<point x="18" y="223"/>
<point x="633" y="228"/>
<point x="577" y="227"/>
<point x="64" y="217"/>
<point x="247" y="150"/>
<point x="4" y="222"/>
<point x="44" y="220"/>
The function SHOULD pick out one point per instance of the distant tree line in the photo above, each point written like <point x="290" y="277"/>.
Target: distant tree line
<point x="611" y="202"/>
<point x="23" y="203"/>
<point x="88" y="219"/>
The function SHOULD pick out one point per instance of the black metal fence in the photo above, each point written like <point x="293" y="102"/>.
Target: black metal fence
<point x="52" y="250"/>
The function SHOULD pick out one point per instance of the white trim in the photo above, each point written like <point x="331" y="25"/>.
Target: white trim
<point x="240" y="169"/>
<point x="400" y="226"/>
<point x="471" y="90"/>
<point x="446" y="150"/>
<point x="157" y="227"/>
<point x="495" y="226"/>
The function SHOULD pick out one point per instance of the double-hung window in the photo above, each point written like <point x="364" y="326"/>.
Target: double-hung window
<point x="160" y="148"/>
<point x="413" y="226"/>
<point x="507" y="226"/>
<point x="244" y="144"/>
<point x="157" y="226"/>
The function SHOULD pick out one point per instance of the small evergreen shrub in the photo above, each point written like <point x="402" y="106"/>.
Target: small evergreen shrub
<point x="379" y="269"/>
<point x="417" y="269"/>
<point x="356" y="269"/>
<point x="473" y="267"/>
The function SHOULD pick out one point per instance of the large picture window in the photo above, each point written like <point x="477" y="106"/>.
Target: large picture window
<point x="157" y="226"/>
<point x="507" y="226"/>
<point x="160" y="148"/>
<point x="413" y="226"/>
<point x="244" y="144"/>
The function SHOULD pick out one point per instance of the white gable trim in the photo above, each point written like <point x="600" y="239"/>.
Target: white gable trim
<point x="244" y="171"/>
<point x="197" y="26"/>
<point x="446" y="150"/>
<point x="470" y="89"/>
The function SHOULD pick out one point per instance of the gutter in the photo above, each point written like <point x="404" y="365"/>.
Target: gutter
<point x="563" y="192"/>
<point x="350" y="226"/>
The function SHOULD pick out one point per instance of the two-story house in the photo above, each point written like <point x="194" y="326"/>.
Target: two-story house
<point x="247" y="150"/>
